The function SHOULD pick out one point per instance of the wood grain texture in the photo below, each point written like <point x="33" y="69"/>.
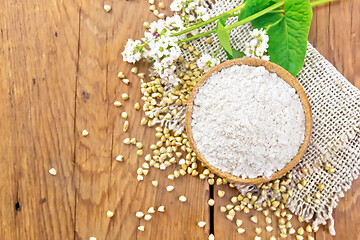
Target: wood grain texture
<point x="59" y="61"/>
<point x="102" y="183"/>
<point x="39" y="46"/>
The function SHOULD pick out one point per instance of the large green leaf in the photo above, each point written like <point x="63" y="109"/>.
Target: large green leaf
<point x="288" y="35"/>
<point x="267" y="20"/>
<point x="253" y="6"/>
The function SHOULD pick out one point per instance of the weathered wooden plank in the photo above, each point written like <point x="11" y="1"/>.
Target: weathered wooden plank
<point x="340" y="23"/>
<point x="8" y="178"/>
<point x="93" y="152"/>
<point x="39" y="52"/>
<point x="126" y="194"/>
<point x="337" y="38"/>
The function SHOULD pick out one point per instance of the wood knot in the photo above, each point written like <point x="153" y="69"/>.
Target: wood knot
<point x="85" y="96"/>
<point x="17" y="206"/>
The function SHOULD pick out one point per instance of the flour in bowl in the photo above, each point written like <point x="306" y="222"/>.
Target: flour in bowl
<point x="247" y="121"/>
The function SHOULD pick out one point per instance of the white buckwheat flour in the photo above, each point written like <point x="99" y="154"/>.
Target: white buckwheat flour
<point x="247" y="121"/>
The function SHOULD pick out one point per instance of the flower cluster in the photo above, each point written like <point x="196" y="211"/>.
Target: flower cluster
<point x="202" y="13"/>
<point x="257" y="47"/>
<point x="206" y="62"/>
<point x="159" y="46"/>
<point x="188" y="8"/>
<point x="133" y="51"/>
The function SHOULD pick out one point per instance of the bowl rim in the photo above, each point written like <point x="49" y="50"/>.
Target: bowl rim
<point x="287" y="77"/>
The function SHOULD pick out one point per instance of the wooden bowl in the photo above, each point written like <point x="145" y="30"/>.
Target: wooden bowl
<point x="287" y="77"/>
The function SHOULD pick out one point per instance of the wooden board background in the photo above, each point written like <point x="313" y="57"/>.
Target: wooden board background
<point x="59" y="60"/>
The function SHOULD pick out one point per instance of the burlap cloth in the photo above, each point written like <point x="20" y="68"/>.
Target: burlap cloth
<point x="335" y="139"/>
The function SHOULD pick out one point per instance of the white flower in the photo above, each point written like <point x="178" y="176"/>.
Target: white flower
<point x="191" y="18"/>
<point x="257" y="47"/>
<point x="173" y="79"/>
<point x="265" y="57"/>
<point x="177" y="5"/>
<point x="202" y="13"/>
<point x="161" y="47"/>
<point x="175" y="23"/>
<point x="158" y="27"/>
<point x="206" y="62"/>
<point x="133" y="51"/>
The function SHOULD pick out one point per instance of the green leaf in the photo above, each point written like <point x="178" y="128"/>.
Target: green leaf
<point x="267" y="20"/>
<point x="253" y="6"/>
<point x="237" y="54"/>
<point x="224" y="35"/>
<point x="223" y="18"/>
<point x="288" y="35"/>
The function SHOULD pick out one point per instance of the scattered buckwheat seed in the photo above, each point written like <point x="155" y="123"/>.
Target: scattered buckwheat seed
<point x="141" y="228"/>
<point x="201" y="224"/>
<point x="134" y="70"/>
<point x="269" y="228"/>
<point x="52" y="171"/>
<point x="124" y="115"/>
<point x="117" y="104"/>
<point x="161" y="209"/>
<point x="221" y="193"/>
<point x="85" y="132"/>
<point x="137" y="106"/>
<point x="182" y="198"/>
<point x="126" y="81"/>
<point x="146" y="25"/>
<point x="151" y="210"/>
<point x="109" y="214"/>
<point x="238" y="222"/>
<point x="258" y="231"/>
<point x="140" y="152"/>
<point x="147" y="217"/>
<point x="254" y="219"/>
<point x="121" y="75"/>
<point x="139" y="214"/>
<point x="107" y="8"/>
<point x="154" y="183"/>
<point x="161" y="5"/>
<point x="169" y="188"/>
<point x="119" y="158"/>
<point x="126" y="126"/>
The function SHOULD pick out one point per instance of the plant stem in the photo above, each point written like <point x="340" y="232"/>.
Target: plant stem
<point x="315" y="3"/>
<point x="256" y="15"/>
<point x="277" y="11"/>
<point x="246" y="20"/>
<point x="217" y="51"/>
<point x="200" y="24"/>
<point x="199" y="35"/>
